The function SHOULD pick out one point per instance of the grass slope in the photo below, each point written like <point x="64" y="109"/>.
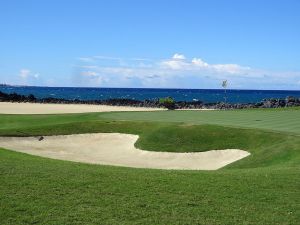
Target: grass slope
<point x="266" y="148"/>
<point x="260" y="189"/>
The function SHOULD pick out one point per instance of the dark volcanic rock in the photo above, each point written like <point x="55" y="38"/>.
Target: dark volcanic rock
<point x="266" y="103"/>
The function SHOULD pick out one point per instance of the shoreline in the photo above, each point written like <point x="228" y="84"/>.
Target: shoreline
<point x="129" y="104"/>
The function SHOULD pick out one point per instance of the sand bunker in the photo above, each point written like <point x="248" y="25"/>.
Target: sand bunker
<point x="37" y="108"/>
<point x="118" y="149"/>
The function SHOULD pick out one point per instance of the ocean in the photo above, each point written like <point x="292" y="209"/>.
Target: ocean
<point x="204" y="95"/>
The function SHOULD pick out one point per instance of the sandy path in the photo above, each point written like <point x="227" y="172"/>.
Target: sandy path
<point x="118" y="149"/>
<point x="37" y="108"/>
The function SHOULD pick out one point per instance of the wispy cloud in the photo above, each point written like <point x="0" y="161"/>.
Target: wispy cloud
<point x="26" y="73"/>
<point x="28" y="77"/>
<point x="86" y="59"/>
<point x="106" y="57"/>
<point x="110" y="58"/>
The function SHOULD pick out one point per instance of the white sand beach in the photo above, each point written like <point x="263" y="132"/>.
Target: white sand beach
<point x="48" y="108"/>
<point x="118" y="150"/>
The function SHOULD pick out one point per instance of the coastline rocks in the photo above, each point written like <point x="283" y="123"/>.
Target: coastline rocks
<point x="279" y="103"/>
<point x="289" y="101"/>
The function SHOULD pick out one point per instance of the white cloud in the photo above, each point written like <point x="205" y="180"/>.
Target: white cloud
<point x="174" y="64"/>
<point x="24" y="73"/>
<point x="230" y="68"/>
<point x="180" y="71"/>
<point x="198" y="65"/>
<point x="199" y="62"/>
<point x="178" y="56"/>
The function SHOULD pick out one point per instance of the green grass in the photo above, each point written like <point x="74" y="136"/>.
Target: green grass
<point x="43" y="191"/>
<point x="282" y="120"/>
<point x="260" y="189"/>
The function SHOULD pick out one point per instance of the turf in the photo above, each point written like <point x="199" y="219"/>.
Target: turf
<point x="282" y="120"/>
<point x="43" y="191"/>
<point x="260" y="189"/>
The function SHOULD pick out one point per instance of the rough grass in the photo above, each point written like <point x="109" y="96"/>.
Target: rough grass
<point x="260" y="189"/>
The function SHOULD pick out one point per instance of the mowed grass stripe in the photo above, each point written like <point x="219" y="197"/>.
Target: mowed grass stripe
<point x="283" y="121"/>
<point x="280" y="120"/>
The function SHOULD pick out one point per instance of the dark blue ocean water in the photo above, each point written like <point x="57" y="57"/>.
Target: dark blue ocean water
<point x="205" y="95"/>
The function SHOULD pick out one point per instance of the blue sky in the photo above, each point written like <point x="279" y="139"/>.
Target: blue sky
<point x="254" y="44"/>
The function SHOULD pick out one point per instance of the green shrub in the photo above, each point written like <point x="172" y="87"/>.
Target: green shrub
<point x="167" y="102"/>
